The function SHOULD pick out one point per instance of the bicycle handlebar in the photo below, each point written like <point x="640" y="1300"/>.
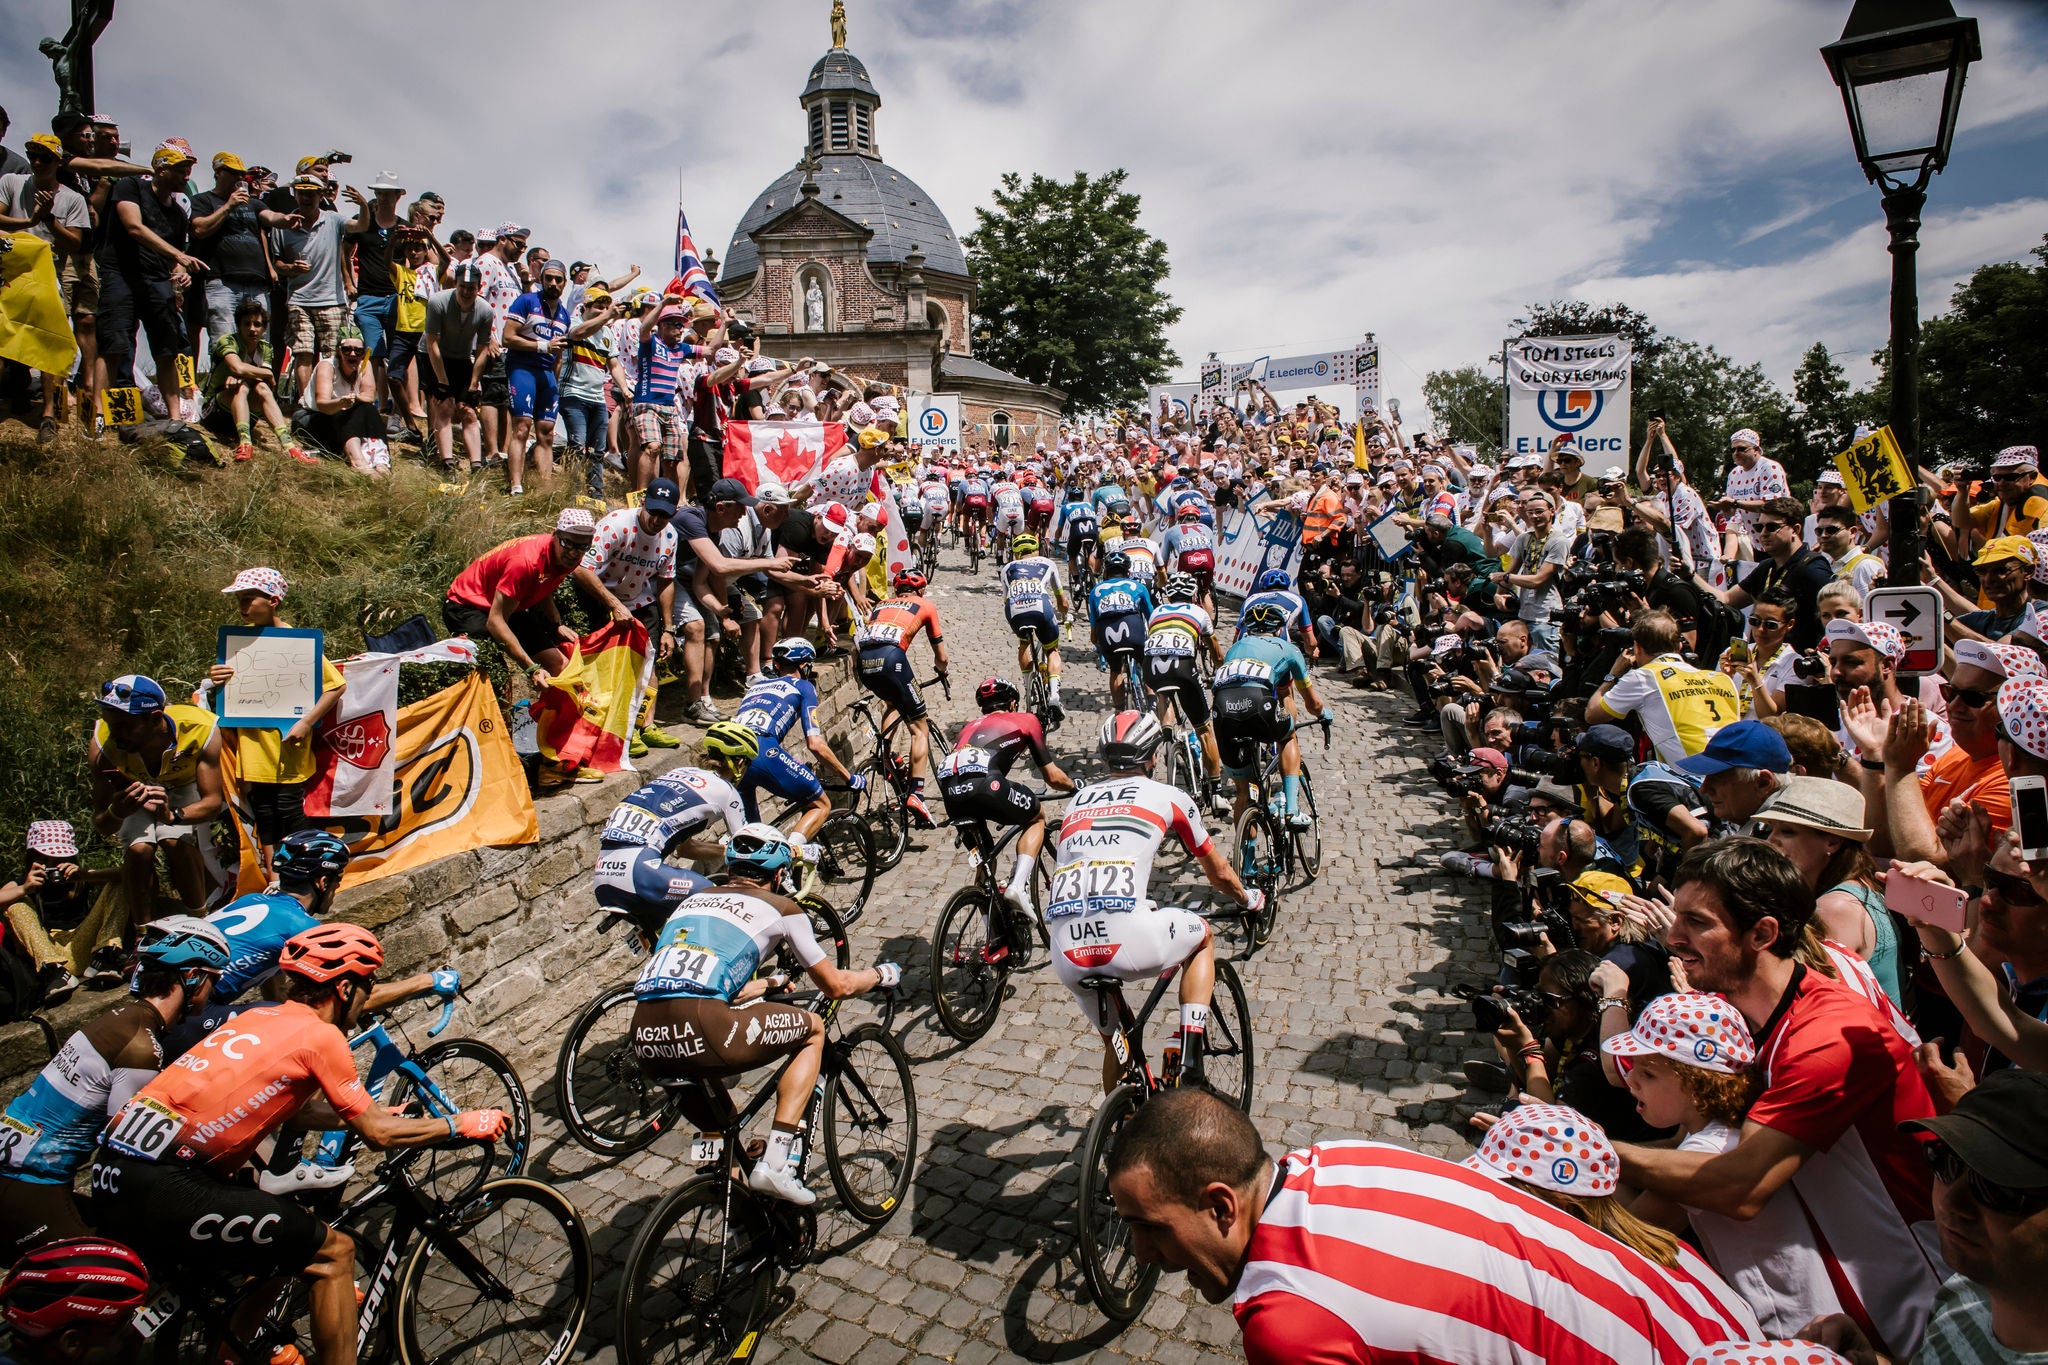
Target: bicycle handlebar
<point x="447" y="1013"/>
<point x="944" y="681"/>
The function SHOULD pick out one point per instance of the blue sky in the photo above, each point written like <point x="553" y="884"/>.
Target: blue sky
<point x="1316" y="170"/>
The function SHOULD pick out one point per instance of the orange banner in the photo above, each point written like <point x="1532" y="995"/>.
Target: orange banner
<point x="458" y="786"/>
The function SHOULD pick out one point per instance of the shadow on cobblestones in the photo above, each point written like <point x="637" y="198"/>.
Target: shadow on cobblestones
<point x="1048" y="1316"/>
<point x="964" y="1203"/>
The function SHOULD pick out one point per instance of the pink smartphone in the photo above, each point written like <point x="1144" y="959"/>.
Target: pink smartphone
<point x="1925" y="902"/>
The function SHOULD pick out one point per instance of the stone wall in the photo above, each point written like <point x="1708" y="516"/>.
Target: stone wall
<point x="519" y="923"/>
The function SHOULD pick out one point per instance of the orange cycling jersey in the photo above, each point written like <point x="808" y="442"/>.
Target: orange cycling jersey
<point x="214" y="1104"/>
<point x="897" y="621"/>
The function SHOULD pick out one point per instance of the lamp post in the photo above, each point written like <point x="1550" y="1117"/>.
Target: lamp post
<point x="1900" y="65"/>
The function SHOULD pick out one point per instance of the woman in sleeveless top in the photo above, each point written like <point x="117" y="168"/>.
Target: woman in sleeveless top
<point x="1812" y="821"/>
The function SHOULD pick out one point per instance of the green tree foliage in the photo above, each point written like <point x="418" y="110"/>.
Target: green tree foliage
<point x="1069" y="289"/>
<point x="1704" y="397"/>
<point x="1982" y="363"/>
<point x="1465" y="406"/>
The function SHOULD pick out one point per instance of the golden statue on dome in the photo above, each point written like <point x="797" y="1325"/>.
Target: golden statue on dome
<point x="839" y="23"/>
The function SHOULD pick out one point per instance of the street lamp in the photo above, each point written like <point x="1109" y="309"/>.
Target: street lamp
<point x="1900" y="65"/>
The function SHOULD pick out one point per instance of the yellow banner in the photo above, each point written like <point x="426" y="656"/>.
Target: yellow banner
<point x="123" y="407"/>
<point x="1875" y="470"/>
<point x="459" y="786"/>
<point x="34" y="329"/>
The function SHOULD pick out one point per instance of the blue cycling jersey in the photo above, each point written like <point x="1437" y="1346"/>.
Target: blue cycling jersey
<point x="1184" y="539"/>
<point x="1289" y="602"/>
<point x="1076" y="518"/>
<point x="680" y="801"/>
<point x="1118" y="597"/>
<point x="1271" y="660"/>
<point x="638" y="881"/>
<point x="1108" y="494"/>
<point x="1029" y="585"/>
<point x="256" y="928"/>
<point x="772" y="705"/>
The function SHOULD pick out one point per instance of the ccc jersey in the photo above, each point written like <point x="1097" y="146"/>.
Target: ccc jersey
<point x="256" y="928"/>
<point x="1108" y="839"/>
<point x="772" y="705"/>
<point x="1680" y="706"/>
<point x="679" y="802"/>
<point x="1029" y="585"/>
<point x="995" y="741"/>
<point x="1177" y="628"/>
<point x="1269" y="661"/>
<point x="1118" y="597"/>
<point x="897" y="622"/>
<point x="50" y="1129"/>
<point x="715" y="940"/>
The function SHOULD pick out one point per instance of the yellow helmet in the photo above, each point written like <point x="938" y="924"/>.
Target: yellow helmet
<point x="1026" y="544"/>
<point x="729" y="739"/>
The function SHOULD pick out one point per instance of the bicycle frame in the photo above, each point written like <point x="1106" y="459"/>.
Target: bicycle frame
<point x="1127" y="1042"/>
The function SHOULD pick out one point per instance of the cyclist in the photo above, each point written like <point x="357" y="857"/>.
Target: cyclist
<point x="1109" y="493"/>
<point x="1189" y="547"/>
<point x="1276" y="588"/>
<point x="1096" y="910"/>
<point x="162" y="1178"/>
<point x="636" y="879"/>
<point x="1142" y="551"/>
<point x="1180" y="494"/>
<point x="1117" y="610"/>
<point x="1254" y="696"/>
<point x="1076" y="528"/>
<point x="700" y="1011"/>
<point x="768" y="709"/>
<point x="1008" y="497"/>
<point x="938" y="501"/>
<point x="1113" y="528"/>
<point x="1038" y="504"/>
<point x="673" y="814"/>
<point x="975" y="781"/>
<point x="1174" y="632"/>
<point x="974" y="503"/>
<point x="883" y="667"/>
<point x="50" y="1129"/>
<point x="1035" y="602"/>
<point x="72" y="1302"/>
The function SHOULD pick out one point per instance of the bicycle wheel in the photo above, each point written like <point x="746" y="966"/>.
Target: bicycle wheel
<point x="847" y="871"/>
<point x="1308" y="843"/>
<point x="1260" y="850"/>
<point x="1121" y="1284"/>
<point x="870" y="1123"/>
<point x="887" y="820"/>
<point x="831" y="934"/>
<point x="1227" y="1046"/>
<point x="465" y="1073"/>
<point x="697" y="1280"/>
<point x="967" y="990"/>
<point x="603" y="1098"/>
<point x="517" y="1287"/>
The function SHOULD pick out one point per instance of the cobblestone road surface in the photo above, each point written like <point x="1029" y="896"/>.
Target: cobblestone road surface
<point x="1355" y="1037"/>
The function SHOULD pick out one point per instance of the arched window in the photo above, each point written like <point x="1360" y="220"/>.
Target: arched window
<point x="935" y="318"/>
<point x="999" y="423"/>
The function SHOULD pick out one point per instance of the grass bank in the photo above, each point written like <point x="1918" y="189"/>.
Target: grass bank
<point x="113" y="557"/>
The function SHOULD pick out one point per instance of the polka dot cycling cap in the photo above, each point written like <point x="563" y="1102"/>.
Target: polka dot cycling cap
<point x="269" y="582"/>
<point x="2007" y="661"/>
<point x="2017" y="457"/>
<point x="575" y="521"/>
<point x="2023" y="712"/>
<point x="1700" y="1030"/>
<point x="1877" y="635"/>
<point x="52" y="839"/>
<point x="1552" y="1147"/>
<point x="1767" y="1353"/>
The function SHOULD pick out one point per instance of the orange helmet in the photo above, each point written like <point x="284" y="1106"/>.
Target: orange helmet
<point x="328" y="952"/>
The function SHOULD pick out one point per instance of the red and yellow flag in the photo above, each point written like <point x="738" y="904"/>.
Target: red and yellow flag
<point x="586" y="716"/>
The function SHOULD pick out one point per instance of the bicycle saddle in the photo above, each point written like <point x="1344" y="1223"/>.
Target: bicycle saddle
<point x="1101" y="983"/>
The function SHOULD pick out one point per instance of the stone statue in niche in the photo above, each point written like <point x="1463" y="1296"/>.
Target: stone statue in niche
<point x="814" y="307"/>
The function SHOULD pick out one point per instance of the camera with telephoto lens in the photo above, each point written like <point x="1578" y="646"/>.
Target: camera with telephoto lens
<point x="1811" y="666"/>
<point x="1516" y="831"/>
<point x="1490" y="1005"/>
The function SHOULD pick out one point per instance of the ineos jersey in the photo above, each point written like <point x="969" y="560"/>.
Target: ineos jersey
<point x="1108" y="839"/>
<point x="715" y="940"/>
<point x="993" y="743"/>
<point x="680" y="801"/>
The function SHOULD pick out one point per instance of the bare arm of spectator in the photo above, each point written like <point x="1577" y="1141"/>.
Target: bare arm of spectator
<point x="130" y="215"/>
<point x="1913" y="833"/>
<point x="209" y="224"/>
<point x="431" y="349"/>
<point x="363" y="221"/>
<point x="725" y="567"/>
<point x="1735" y="1184"/>
<point x="206" y="777"/>
<point x="614" y="286"/>
<point x="587" y="579"/>
<point x="242" y="369"/>
<point x="67" y="239"/>
<point x="1977" y="993"/>
<point x="604" y="318"/>
<point x="104" y="167"/>
<point x="1867" y="723"/>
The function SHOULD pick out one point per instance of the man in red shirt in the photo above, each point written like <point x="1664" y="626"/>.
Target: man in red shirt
<point x="1354" y="1252"/>
<point x="509" y="594"/>
<point x="1838" y="1082"/>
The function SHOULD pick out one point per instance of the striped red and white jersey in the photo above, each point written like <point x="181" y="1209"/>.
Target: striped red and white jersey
<point x="1372" y="1253"/>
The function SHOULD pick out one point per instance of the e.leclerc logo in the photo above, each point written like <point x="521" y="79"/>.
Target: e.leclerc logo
<point x="1571" y="410"/>
<point x="932" y="422"/>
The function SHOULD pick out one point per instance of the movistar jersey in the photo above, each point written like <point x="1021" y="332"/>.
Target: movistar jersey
<point x="256" y="928"/>
<point x="1118" y="597"/>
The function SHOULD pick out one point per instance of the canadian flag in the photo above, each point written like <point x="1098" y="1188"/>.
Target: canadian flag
<point x="790" y="453"/>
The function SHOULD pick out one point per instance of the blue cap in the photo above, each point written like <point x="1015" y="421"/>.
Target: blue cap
<point x="1745" y="744"/>
<point x="661" y="497"/>
<point x="134" y="694"/>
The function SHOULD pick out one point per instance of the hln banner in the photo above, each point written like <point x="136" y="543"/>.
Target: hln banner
<point x="1576" y="386"/>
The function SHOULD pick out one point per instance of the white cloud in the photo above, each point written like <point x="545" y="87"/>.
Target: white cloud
<point x="1316" y="169"/>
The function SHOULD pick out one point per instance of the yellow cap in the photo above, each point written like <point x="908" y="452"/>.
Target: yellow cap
<point x="2006" y="547"/>
<point x="1589" y="885"/>
<point x="228" y="161"/>
<point x="48" y="142"/>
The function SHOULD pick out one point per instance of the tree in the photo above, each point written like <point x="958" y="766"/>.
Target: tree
<point x="1704" y="397"/>
<point x="1465" y="406"/>
<point x="1982" y="361"/>
<point x="1576" y="317"/>
<point x="1069" y="289"/>
<point x="1829" y="414"/>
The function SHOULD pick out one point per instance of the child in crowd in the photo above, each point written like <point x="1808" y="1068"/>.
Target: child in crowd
<point x="51" y="900"/>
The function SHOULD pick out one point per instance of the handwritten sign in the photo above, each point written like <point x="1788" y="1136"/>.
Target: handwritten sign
<point x="277" y="676"/>
<point x="1875" y="470"/>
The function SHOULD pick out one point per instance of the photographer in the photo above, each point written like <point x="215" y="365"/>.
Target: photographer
<point x="1780" y="531"/>
<point x="1605" y="754"/>
<point x="1440" y="542"/>
<point x="1603" y="925"/>
<point x="1336" y="607"/>
<point x="1705" y="630"/>
<point x="1679" y="706"/>
<point x="1563" y="1065"/>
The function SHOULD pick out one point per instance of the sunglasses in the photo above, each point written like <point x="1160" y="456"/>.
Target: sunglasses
<point x="1968" y="696"/>
<point x="1760" y="623"/>
<point x="1770" y="527"/>
<point x="2013" y="476"/>
<point x="1950" y="1169"/>
<point x="2016" y="892"/>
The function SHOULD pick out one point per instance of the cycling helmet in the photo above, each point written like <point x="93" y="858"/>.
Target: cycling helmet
<point x="1265" y="618"/>
<point x="908" y="580"/>
<point x="329" y="952"/>
<point x="793" y="651"/>
<point x="183" y="941"/>
<point x="996" y="694"/>
<point x="1116" y="564"/>
<point x="730" y="739"/>
<point x="1026" y="544"/>
<point x="78" y="1282"/>
<point x="1275" y="580"/>
<point x="1188" y="511"/>
<point x="758" y="850"/>
<point x="307" y="854"/>
<point x="1181" y="587"/>
<point x="1120" y="508"/>
<point x="1128" y="739"/>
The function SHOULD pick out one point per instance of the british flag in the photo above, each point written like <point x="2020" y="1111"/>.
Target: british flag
<point x="690" y="275"/>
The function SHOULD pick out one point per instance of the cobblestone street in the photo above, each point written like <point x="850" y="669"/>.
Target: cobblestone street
<point x="1355" y="1036"/>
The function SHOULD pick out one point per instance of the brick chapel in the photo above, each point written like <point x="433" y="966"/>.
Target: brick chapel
<point x="847" y="259"/>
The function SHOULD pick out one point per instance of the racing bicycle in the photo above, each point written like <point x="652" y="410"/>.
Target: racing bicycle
<point x="1120" y="1283"/>
<point x="1038" y="684"/>
<point x="1272" y="855"/>
<point x="980" y="937"/>
<point x="880" y="800"/>
<point x="701" y="1271"/>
